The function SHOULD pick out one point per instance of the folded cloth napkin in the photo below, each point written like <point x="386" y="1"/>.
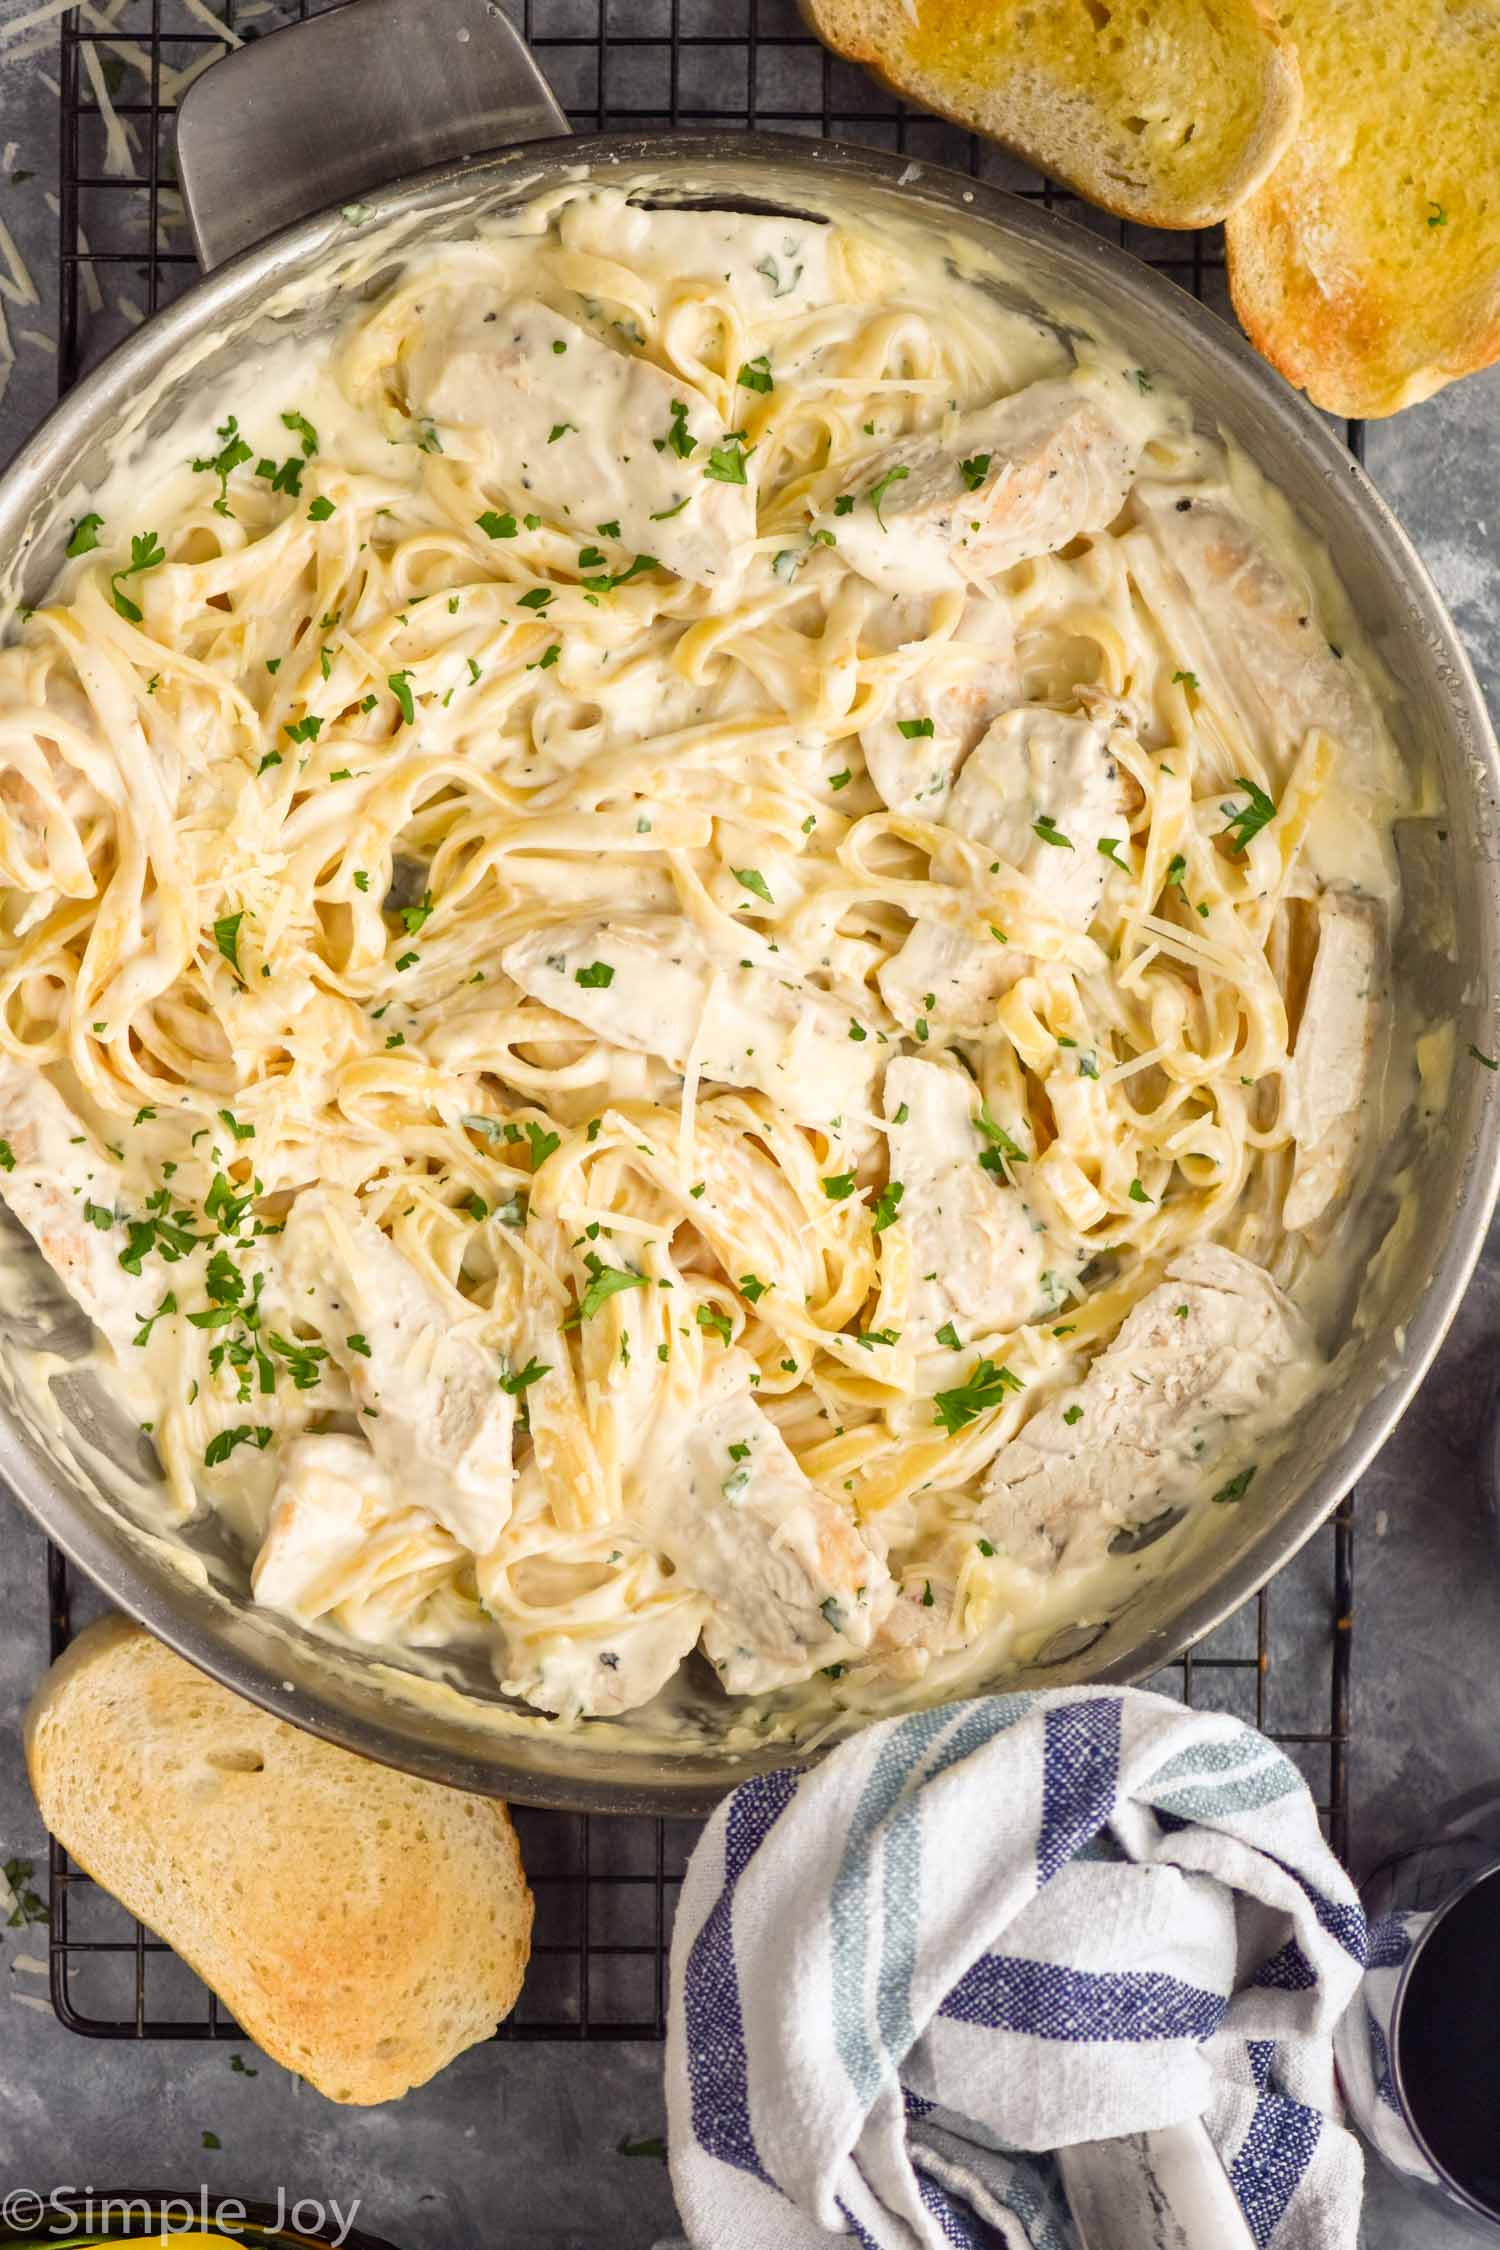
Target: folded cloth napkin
<point x="996" y="1928"/>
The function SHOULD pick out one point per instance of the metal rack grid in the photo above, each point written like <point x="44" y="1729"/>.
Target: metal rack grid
<point x="606" y="1889"/>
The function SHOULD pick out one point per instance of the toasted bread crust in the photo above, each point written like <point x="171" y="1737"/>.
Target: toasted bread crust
<point x="363" y="1926"/>
<point x="1367" y="267"/>
<point x="1069" y="133"/>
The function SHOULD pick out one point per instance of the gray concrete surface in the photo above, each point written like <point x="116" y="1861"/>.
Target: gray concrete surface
<point x="518" y="2146"/>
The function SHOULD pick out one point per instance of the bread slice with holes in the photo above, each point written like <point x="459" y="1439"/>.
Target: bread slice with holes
<point x="1168" y="112"/>
<point x="1367" y="267"/>
<point x="362" y="1926"/>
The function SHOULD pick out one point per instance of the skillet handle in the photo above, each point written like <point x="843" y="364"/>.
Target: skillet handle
<point x="326" y="110"/>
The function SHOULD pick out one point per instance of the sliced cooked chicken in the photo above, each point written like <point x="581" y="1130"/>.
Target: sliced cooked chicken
<point x="996" y="487"/>
<point x="792" y="1583"/>
<point x="1335" y="1063"/>
<point x="342" y="1543"/>
<point x="434" y="1411"/>
<point x="974" y="1252"/>
<point x="653" y="985"/>
<point x="587" y="435"/>
<point x="1040" y="793"/>
<point x="1212" y="1354"/>
<point x="1247" y="627"/>
<point x="962" y="687"/>
<point x="65" y="1190"/>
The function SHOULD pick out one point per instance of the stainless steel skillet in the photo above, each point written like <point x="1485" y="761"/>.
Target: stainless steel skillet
<point x="318" y="118"/>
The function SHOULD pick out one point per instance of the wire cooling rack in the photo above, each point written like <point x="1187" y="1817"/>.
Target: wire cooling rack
<point x="606" y="1889"/>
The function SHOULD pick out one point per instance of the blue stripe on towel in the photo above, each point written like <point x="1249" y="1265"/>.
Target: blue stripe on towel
<point x="718" y="2073"/>
<point x="849" y="1906"/>
<point x="1273" y="2157"/>
<point x="1288" y="1970"/>
<point x="1345" y="1924"/>
<point x="881" y="1816"/>
<point x="958" y="2225"/>
<point x="1389" y="1942"/>
<point x="1080" y="1778"/>
<point x="1004" y="1993"/>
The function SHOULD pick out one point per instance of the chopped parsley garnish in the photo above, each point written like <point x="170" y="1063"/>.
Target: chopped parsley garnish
<point x="840" y="780"/>
<point x="300" y="427"/>
<point x="1001" y="1144"/>
<point x="985" y="1388"/>
<point x="949" y="1335"/>
<point x="1072" y="1414"/>
<point x="883" y="1209"/>
<point x="1046" y="827"/>
<point x="751" y="1286"/>
<point x="399" y="684"/>
<point x="717" y="1322"/>
<point x="222" y="464"/>
<point x="271" y="758"/>
<point x="357" y="1344"/>
<point x="303" y="730"/>
<point x="407" y="960"/>
<point x="524" y="1377"/>
<point x="1436" y="215"/>
<point x="605" y="1282"/>
<point x="320" y="510"/>
<point x="755" y="375"/>
<point x="857" y="1031"/>
<point x="1237" y="1487"/>
<point x="1109" y="846"/>
<point x="240" y="1132"/>
<point x="880" y="488"/>
<point x="542" y="1143"/>
<point x="598" y="976"/>
<point x="974" y="471"/>
<point x="1488" y="1061"/>
<point x="218" y="1450"/>
<point x="143" y="1333"/>
<point x="1137" y="1193"/>
<point x="1176" y="870"/>
<point x="726" y="463"/>
<point x="1250" y="819"/>
<point x="679" y="438"/>
<point x="538" y="598"/>
<point x="914" y="729"/>
<point x="413" y="917"/>
<point x="84" y="536"/>
<point x="665" y="515"/>
<point x="361" y="878"/>
<point x="99" y="1215"/>
<point x="304" y="1361"/>
<point x="779" y="285"/>
<point x="1185" y="679"/>
<point x="496" y="526"/>
<point x="868" y="1338"/>
<point x="227" y="936"/>
<point x="751" y="879"/>
<point x="610" y="530"/>
<point x="146" y="553"/>
<point x="838" y="1185"/>
<point x="560" y="430"/>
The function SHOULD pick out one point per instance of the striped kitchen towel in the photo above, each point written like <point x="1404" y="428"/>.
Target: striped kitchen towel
<point x="977" y="1933"/>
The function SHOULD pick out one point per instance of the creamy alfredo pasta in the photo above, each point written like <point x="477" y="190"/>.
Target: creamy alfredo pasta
<point x="693" y="957"/>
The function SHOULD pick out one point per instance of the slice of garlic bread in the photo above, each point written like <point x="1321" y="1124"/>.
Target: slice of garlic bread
<point x="1367" y="267"/>
<point x="362" y="1926"/>
<point x="1165" y="111"/>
